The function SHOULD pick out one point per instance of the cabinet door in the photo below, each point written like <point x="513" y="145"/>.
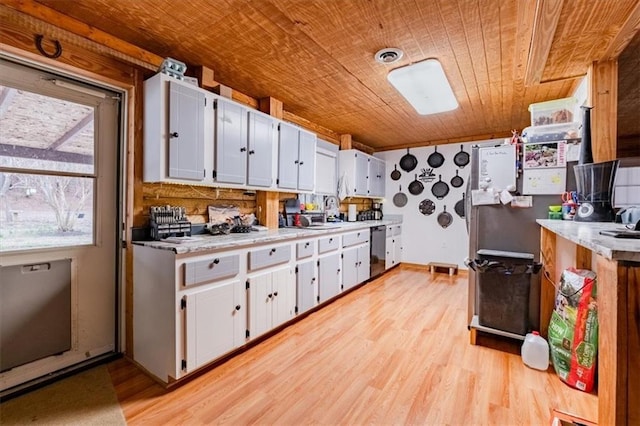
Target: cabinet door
<point x="364" y="263"/>
<point x="350" y="267"/>
<point x="306" y="161"/>
<point x="376" y="177"/>
<point x="260" y="304"/>
<point x="397" y="249"/>
<point x="288" y="156"/>
<point x="328" y="277"/>
<point x="305" y="284"/>
<point x="261" y="132"/>
<point x="214" y="323"/>
<point x="186" y="132"/>
<point x="389" y="253"/>
<point x="361" y="187"/>
<point x="326" y="172"/>
<point x="231" y="142"/>
<point x="284" y="296"/>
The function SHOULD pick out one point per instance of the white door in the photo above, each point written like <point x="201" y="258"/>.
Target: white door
<point x="361" y="186"/>
<point x="231" y="142"/>
<point x="261" y="131"/>
<point x="397" y="249"/>
<point x="260" y="304"/>
<point x="288" y="156"/>
<point x="306" y="161"/>
<point x="306" y="281"/>
<point x="389" y="253"/>
<point x="212" y="324"/>
<point x="186" y="132"/>
<point x="59" y="198"/>
<point x="349" y="267"/>
<point x="328" y="277"/>
<point x="283" y="285"/>
<point x="364" y="263"/>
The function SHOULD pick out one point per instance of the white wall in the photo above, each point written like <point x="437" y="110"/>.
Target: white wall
<point x="423" y="239"/>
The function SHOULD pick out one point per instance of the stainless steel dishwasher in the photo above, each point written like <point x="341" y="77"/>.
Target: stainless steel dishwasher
<point x="378" y="242"/>
<point x="35" y="312"/>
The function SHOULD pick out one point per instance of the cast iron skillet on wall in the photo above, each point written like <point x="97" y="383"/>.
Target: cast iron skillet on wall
<point x="459" y="207"/>
<point x="427" y="207"/>
<point x="440" y="189"/>
<point x="445" y="218"/>
<point x="395" y="174"/>
<point x="457" y="181"/>
<point x="416" y="187"/>
<point x="461" y="159"/>
<point x="408" y="162"/>
<point x="400" y="199"/>
<point x="436" y="159"/>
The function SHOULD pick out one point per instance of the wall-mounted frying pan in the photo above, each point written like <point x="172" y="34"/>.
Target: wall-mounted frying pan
<point x="459" y="207"/>
<point x="440" y="189"/>
<point x="436" y="159"/>
<point x="461" y="159"/>
<point x="427" y="207"/>
<point x="395" y="174"/>
<point x="445" y="218"/>
<point x="400" y="199"/>
<point x="416" y="187"/>
<point x="408" y="162"/>
<point x="457" y="181"/>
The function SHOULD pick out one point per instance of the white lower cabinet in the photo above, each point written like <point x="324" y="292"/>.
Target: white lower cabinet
<point x="307" y="286"/>
<point x="329" y="276"/>
<point x="272" y="299"/>
<point x="393" y="246"/>
<point x="215" y="322"/>
<point x="355" y="266"/>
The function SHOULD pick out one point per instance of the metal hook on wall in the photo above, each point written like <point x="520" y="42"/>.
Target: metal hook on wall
<point x="56" y="54"/>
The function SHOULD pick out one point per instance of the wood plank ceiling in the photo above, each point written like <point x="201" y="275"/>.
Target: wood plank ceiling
<point x="317" y="55"/>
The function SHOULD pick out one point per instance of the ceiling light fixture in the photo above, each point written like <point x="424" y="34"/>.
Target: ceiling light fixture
<point x="389" y="55"/>
<point x="425" y="86"/>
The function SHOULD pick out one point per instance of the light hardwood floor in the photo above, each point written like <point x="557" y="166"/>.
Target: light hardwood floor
<point x="395" y="351"/>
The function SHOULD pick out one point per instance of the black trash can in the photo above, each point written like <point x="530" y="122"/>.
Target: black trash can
<point x="504" y="281"/>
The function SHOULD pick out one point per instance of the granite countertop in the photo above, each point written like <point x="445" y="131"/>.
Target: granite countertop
<point x="587" y="234"/>
<point x="203" y="242"/>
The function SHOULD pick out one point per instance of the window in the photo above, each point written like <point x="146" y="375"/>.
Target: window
<point x="47" y="171"/>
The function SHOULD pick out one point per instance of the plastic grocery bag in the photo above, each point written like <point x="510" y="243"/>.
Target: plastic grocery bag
<point x="573" y="331"/>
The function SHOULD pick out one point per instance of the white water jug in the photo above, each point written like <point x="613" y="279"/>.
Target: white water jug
<point x="535" y="351"/>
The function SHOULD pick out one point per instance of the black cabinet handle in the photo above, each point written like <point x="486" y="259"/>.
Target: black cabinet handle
<point x="272" y="251"/>
<point x="275" y="294"/>
<point x="237" y="307"/>
<point x="313" y="279"/>
<point x="216" y="261"/>
<point x="330" y="239"/>
<point x="251" y="152"/>
<point x="356" y="264"/>
<point x="243" y="149"/>
<point x="306" y="245"/>
<point x="295" y="162"/>
<point x="173" y="134"/>
<point x="339" y="269"/>
<point x="269" y="295"/>
<point x="301" y="163"/>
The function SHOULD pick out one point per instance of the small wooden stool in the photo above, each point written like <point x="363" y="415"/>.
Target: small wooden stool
<point x="453" y="269"/>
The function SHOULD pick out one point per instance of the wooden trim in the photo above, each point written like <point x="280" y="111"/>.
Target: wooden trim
<point x="544" y="27"/>
<point x="473" y="138"/>
<point x="205" y="77"/>
<point x="603" y="93"/>
<point x="612" y="344"/>
<point x="131" y="53"/>
<point x="627" y="32"/>
<point x="346" y="142"/>
<point x="547" y="282"/>
<point x="583" y="257"/>
<point x="271" y="106"/>
<point x="267" y="206"/>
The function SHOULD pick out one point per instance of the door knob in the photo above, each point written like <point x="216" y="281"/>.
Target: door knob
<point x="173" y="134"/>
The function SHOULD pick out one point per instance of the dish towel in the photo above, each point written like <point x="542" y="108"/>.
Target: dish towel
<point x="343" y="187"/>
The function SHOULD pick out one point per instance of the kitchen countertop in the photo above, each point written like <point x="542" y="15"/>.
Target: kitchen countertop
<point x="587" y="235"/>
<point x="202" y="242"/>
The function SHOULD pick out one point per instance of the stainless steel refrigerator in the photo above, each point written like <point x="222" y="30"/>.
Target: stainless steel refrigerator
<point x="506" y="228"/>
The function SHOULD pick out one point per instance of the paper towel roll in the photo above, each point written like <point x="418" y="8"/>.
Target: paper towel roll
<point x="353" y="213"/>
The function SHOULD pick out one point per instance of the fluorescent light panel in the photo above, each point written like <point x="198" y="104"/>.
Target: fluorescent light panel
<point x="425" y="86"/>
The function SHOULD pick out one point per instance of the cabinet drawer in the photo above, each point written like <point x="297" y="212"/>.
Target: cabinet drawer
<point x="355" y="238"/>
<point x="214" y="268"/>
<point x="304" y="249"/>
<point x="269" y="256"/>
<point x="328" y="244"/>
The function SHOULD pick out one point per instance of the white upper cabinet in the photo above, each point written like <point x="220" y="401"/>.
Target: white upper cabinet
<point x="231" y="142"/>
<point x="261" y="143"/>
<point x="177" y="125"/>
<point x="296" y="158"/>
<point x="364" y="173"/>
<point x="326" y="168"/>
